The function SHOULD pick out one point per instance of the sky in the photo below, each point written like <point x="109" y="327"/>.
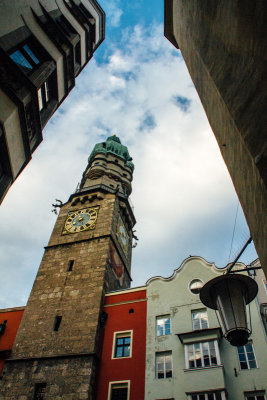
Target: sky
<point x="137" y="87"/>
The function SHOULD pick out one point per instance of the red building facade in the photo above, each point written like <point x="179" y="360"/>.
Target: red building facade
<point x="122" y="364"/>
<point x="9" y="323"/>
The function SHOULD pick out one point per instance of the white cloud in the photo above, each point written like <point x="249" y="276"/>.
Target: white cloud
<point x="113" y="12"/>
<point x="183" y="197"/>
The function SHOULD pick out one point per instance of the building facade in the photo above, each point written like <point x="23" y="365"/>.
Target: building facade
<point x="122" y="364"/>
<point x="89" y="253"/>
<point x="186" y="355"/>
<point x="224" y="47"/>
<point x="158" y="342"/>
<point x="44" y="45"/>
<point x="9" y="324"/>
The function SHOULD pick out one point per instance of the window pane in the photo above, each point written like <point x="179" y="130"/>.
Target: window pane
<point x="252" y="364"/>
<point x="19" y="59"/>
<point x="210" y="396"/>
<point x="196" y="325"/>
<point x="118" y="352"/>
<point x="168" y="373"/>
<point x="40" y="99"/>
<point x="119" y="394"/>
<point x="242" y="357"/>
<point x="243" y="365"/>
<point x="127" y="340"/>
<point x="204" y="321"/>
<point x="126" y="351"/>
<point x="201" y="397"/>
<point x="159" y="330"/>
<point x="47" y="94"/>
<point x="30" y="53"/>
<point x="249" y="347"/>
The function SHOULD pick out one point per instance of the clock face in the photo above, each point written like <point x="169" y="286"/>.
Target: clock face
<point x="122" y="235"/>
<point x="81" y="220"/>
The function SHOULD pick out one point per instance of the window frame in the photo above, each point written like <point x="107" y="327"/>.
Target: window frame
<point x="118" y="383"/>
<point x="165" y="316"/>
<point x="118" y="335"/>
<point x="254" y="394"/>
<point x="198" y="311"/>
<point x="163" y="353"/>
<point x="222" y="393"/>
<point x="246" y="355"/>
<point x="217" y="354"/>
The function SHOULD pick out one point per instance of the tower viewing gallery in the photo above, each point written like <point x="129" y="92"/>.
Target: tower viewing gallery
<point x="58" y="344"/>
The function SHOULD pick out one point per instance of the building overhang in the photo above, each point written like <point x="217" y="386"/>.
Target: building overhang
<point x="200" y="335"/>
<point x="168" y="22"/>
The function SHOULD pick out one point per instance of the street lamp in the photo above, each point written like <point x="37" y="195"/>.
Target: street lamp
<point x="229" y="294"/>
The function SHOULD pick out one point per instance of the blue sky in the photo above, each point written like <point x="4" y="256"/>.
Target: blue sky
<point x="138" y="87"/>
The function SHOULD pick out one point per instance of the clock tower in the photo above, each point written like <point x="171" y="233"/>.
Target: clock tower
<point x="56" y="350"/>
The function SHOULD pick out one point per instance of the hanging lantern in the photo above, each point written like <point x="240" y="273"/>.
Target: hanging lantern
<point x="229" y="294"/>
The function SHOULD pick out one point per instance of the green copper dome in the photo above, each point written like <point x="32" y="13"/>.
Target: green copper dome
<point x="113" y="145"/>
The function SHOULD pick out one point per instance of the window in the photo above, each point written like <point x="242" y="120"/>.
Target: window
<point x="256" y="395"/>
<point x="57" y="323"/>
<point x="195" y="286"/>
<point x="203" y="354"/>
<point x="119" y="390"/>
<point x="265" y="285"/>
<point x="71" y="262"/>
<point x="25" y="58"/>
<point x="207" y="396"/>
<point x="39" y="391"/>
<point x="44" y="94"/>
<point x="163" y="325"/>
<point x="122" y="344"/>
<point x="199" y="319"/>
<point x="164" y="365"/>
<point x="246" y="356"/>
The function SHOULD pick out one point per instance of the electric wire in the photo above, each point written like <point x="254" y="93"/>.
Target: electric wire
<point x="233" y="231"/>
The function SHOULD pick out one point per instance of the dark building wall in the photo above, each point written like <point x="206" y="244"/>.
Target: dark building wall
<point x="224" y="47"/>
<point x="44" y="45"/>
